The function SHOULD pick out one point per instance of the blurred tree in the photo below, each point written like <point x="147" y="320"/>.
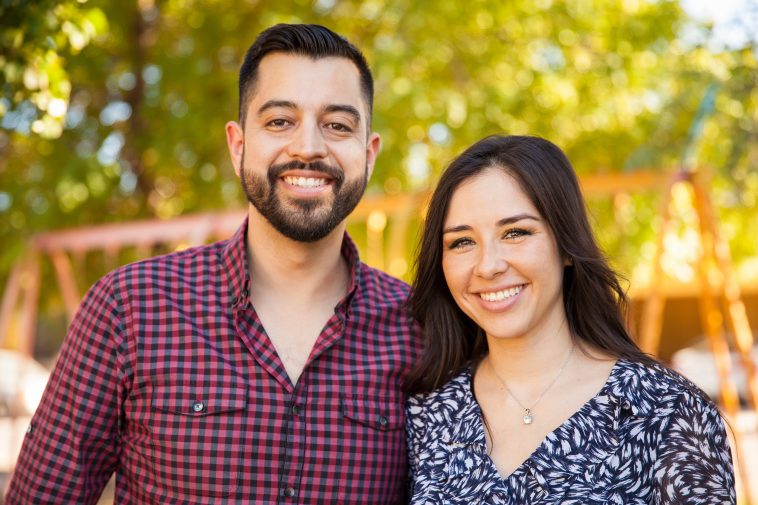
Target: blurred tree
<point x="114" y="109"/>
<point x="36" y="39"/>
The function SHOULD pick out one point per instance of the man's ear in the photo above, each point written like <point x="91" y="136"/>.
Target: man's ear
<point x="373" y="146"/>
<point x="235" y="141"/>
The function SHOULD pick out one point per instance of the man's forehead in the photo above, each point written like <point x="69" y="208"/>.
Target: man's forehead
<point x="304" y="80"/>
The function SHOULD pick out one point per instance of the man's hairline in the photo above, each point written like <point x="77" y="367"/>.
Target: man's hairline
<point x="250" y="89"/>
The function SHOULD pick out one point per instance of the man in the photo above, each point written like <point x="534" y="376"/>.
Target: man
<point x="263" y="369"/>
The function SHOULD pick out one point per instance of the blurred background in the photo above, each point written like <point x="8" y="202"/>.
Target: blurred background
<point x="112" y="148"/>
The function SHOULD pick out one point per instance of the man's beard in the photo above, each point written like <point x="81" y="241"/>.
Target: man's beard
<point x="312" y="219"/>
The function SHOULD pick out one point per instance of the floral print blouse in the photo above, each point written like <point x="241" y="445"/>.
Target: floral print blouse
<point x="648" y="436"/>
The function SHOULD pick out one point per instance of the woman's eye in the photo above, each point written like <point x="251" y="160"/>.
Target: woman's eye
<point x="516" y="233"/>
<point x="460" y="243"/>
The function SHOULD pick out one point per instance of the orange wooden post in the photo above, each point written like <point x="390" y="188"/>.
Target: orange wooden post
<point x="712" y="322"/>
<point x="710" y="313"/>
<point x="651" y="321"/>
<point x="718" y="250"/>
<point x="65" y="274"/>
<point x="10" y="299"/>
<point x="30" y="284"/>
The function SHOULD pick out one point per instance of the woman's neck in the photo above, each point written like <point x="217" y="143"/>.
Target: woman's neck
<point x="527" y="359"/>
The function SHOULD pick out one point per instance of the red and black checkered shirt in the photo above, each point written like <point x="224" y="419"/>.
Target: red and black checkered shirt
<point x="168" y="379"/>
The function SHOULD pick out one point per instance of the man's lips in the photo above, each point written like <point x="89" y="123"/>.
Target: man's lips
<point x="305" y="181"/>
<point x="299" y="173"/>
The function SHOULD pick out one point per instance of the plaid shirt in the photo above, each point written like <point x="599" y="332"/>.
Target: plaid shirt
<point x="168" y="379"/>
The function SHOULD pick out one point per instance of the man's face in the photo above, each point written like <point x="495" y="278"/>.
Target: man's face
<point x="305" y="154"/>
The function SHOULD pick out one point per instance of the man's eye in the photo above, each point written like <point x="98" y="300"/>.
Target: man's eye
<point x="278" y="123"/>
<point x="340" y="127"/>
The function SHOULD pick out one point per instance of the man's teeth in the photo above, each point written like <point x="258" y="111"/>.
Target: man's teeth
<point x="496" y="296"/>
<point x="305" y="182"/>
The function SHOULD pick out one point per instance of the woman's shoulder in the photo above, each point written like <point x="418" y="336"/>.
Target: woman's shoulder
<point x="655" y="388"/>
<point x="451" y="395"/>
<point x="448" y="415"/>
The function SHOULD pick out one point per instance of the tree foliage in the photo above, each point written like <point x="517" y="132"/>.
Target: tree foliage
<point x="145" y="87"/>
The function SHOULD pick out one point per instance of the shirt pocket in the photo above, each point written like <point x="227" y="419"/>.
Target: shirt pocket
<point x="370" y="455"/>
<point x="197" y="439"/>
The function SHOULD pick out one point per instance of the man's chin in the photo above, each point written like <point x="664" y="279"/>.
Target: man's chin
<point x="306" y="233"/>
<point x="305" y="208"/>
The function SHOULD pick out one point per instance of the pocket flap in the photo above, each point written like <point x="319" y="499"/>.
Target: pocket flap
<point x="198" y="402"/>
<point x="379" y="413"/>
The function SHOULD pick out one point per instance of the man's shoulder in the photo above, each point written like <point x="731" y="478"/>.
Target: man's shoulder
<point x="193" y="262"/>
<point x="382" y="286"/>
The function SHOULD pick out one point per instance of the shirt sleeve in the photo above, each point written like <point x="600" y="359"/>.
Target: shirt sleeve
<point x="694" y="463"/>
<point x="72" y="445"/>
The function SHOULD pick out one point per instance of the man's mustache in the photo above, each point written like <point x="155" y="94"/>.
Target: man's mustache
<point x="275" y="171"/>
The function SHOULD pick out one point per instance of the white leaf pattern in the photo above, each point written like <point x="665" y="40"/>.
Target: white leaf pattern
<point x="649" y="436"/>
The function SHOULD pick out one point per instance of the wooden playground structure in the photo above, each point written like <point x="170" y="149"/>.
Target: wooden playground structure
<point x="387" y="220"/>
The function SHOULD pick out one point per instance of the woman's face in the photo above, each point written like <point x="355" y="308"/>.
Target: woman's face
<point x="500" y="259"/>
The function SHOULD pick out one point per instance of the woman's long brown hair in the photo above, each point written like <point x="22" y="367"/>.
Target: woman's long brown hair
<point x="593" y="297"/>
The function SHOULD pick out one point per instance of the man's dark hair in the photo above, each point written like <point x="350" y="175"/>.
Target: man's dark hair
<point x="314" y="41"/>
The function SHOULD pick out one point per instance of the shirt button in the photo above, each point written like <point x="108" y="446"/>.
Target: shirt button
<point x="297" y="410"/>
<point x="383" y="421"/>
<point x="235" y="300"/>
<point x="29" y="428"/>
<point x="289" y="492"/>
<point x="198" y="406"/>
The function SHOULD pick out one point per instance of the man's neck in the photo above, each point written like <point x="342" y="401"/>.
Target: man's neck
<point x="279" y="265"/>
<point x="294" y="289"/>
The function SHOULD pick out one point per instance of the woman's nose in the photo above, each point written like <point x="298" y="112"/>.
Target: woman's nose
<point x="491" y="261"/>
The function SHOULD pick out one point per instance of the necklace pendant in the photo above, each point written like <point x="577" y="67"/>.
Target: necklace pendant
<point x="528" y="416"/>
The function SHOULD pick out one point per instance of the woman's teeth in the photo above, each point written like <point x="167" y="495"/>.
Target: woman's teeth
<point x="496" y="296"/>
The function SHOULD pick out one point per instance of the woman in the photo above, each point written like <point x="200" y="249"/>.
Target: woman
<point x="530" y="389"/>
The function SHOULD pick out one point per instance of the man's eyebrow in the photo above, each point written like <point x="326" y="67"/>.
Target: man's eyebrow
<point x="272" y="104"/>
<point x="287" y="104"/>
<point x="348" y="109"/>
<point x="503" y="222"/>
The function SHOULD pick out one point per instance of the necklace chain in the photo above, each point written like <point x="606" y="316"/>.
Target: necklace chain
<point x="528" y="416"/>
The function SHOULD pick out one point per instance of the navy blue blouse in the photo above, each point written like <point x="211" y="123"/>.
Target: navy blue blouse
<point x="648" y="436"/>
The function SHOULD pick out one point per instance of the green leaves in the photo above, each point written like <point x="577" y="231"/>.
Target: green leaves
<point x="114" y="110"/>
<point x="37" y="37"/>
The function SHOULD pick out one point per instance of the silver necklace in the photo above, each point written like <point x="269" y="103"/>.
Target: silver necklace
<point x="528" y="416"/>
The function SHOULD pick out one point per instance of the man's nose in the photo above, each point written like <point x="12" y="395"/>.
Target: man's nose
<point x="308" y="142"/>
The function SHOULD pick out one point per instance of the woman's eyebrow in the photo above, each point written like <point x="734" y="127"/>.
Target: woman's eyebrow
<point x="503" y="222"/>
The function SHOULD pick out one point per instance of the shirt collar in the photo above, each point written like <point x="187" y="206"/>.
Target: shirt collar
<point x="629" y="386"/>
<point x="350" y="252"/>
<point x="233" y="261"/>
<point x="234" y="269"/>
